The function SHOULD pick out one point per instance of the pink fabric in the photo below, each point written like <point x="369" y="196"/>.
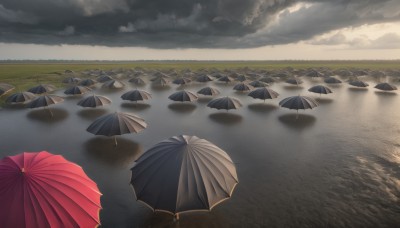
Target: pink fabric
<point x="45" y="190"/>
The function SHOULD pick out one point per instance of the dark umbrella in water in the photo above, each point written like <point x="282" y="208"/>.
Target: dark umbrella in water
<point x="71" y="80"/>
<point x="20" y="98"/>
<point x="43" y="88"/>
<point x="298" y="102"/>
<point x="113" y="84"/>
<point x="225" y="103"/>
<point x="243" y="87"/>
<point x="359" y="83"/>
<point x="117" y="123"/>
<point x="294" y="81"/>
<point x="267" y="79"/>
<point x="5" y="88"/>
<point x="77" y="90"/>
<point x="203" y="78"/>
<point x="136" y="95"/>
<point x="45" y="101"/>
<point x="183" y="173"/>
<point x="183" y="96"/>
<point x="225" y="79"/>
<point x="181" y="81"/>
<point x="385" y="86"/>
<point x="94" y="101"/>
<point x="320" y="89"/>
<point x="332" y="80"/>
<point x="263" y="93"/>
<point x="104" y="78"/>
<point x="208" y="91"/>
<point x="137" y="81"/>
<point x="161" y="81"/>
<point x="87" y="82"/>
<point x="258" y="84"/>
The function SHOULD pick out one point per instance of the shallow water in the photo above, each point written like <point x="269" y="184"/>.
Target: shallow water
<point x="336" y="166"/>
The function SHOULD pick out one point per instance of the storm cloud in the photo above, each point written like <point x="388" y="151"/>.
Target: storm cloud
<point x="185" y="24"/>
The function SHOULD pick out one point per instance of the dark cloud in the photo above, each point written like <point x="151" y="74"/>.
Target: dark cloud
<point x="182" y="24"/>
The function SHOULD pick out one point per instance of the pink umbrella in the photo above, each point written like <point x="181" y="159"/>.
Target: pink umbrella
<point x="45" y="190"/>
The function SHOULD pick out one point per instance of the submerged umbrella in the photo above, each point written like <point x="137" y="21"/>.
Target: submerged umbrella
<point x="267" y="79"/>
<point x="203" y="78"/>
<point x="77" y="90"/>
<point x="243" y="87"/>
<point x="43" y="88"/>
<point x="113" y="84"/>
<point x="94" y="101"/>
<point x="45" y="190"/>
<point x="320" y="89"/>
<point x="208" y="91"/>
<point x="225" y="79"/>
<point x="294" y="81"/>
<point x="181" y="81"/>
<point x="385" y="86"/>
<point x="5" y="88"/>
<point x="137" y="81"/>
<point x="298" y="102"/>
<point x="161" y="81"/>
<point x="332" y="80"/>
<point x="183" y="173"/>
<point x="117" y="123"/>
<point x="258" y="84"/>
<point x="359" y="83"/>
<point x="263" y="93"/>
<point x="20" y="98"/>
<point x="183" y="96"/>
<point x="45" y="101"/>
<point x="104" y="78"/>
<point x="87" y="82"/>
<point x="71" y="80"/>
<point x="225" y="103"/>
<point x="136" y="95"/>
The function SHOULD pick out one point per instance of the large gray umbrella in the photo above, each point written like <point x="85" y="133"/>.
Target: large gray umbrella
<point x="183" y="173"/>
<point x="104" y="78"/>
<point x="267" y="79"/>
<point x="45" y="101"/>
<point x="137" y="81"/>
<point x="161" y="81"/>
<point x="298" y="102"/>
<point x="181" y="81"/>
<point x="243" y="87"/>
<point x="113" y="84"/>
<point x="225" y="79"/>
<point x="77" y="90"/>
<point x="332" y="80"/>
<point x="263" y="93"/>
<point x="257" y="83"/>
<point x="320" y="89"/>
<point x="208" y="91"/>
<point x="117" y="123"/>
<point x="359" y="83"/>
<point x="136" y="95"/>
<point x="87" y="82"/>
<point x="225" y="103"/>
<point x="385" y="86"/>
<point x="183" y="96"/>
<point x="94" y="101"/>
<point x="5" y="88"/>
<point x="294" y="81"/>
<point x="203" y="78"/>
<point x="20" y="98"/>
<point x="43" y="88"/>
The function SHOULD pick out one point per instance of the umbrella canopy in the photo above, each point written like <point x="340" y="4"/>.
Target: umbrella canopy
<point x="208" y="91"/>
<point x="44" y="101"/>
<point x="183" y="95"/>
<point x="136" y="95"/>
<point x="94" y="101"/>
<point x="203" y="78"/>
<point x="104" y="78"/>
<point x="71" y="80"/>
<point x="332" y="80"/>
<point x="43" y="88"/>
<point x="359" y="83"/>
<point x="243" y="87"/>
<point x="225" y="79"/>
<point x="225" y="103"/>
<point x="20" y="98"/>
<point x="45" y="190"/>
<point x="77" y="90"/>
<point x="161" y="81"/>
<point x="117" y="123"/>
<point x="181" y="81"/>
<point x="320" y="89"/>
<point x="5" y="88"/>
<point x="258" y="84"/>
<point x="241" y="78"/>
<point x="137" y="81"/>
<point x="386" y="86"/>
<point x="298" y="102"/>
<point x="294" y="81"/>
<point x="183" y="173"/>
<point x="87" y="82"/>
<point x="263" y="93"/>
<point x="113" y="84"/>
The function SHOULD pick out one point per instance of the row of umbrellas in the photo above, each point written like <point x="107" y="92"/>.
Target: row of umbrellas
<point x="181" y="174"/>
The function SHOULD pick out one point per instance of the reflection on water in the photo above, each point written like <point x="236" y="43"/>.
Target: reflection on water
<point x="386" y="94"/>
<point x="322" y="100"/>
<point x="293" y="87"/>
<point x="299" y="121"/>
<point x="262" y="107"/>
<point x="226" y="118"/>
<point x="182" y="107"/>
<point x="204" y="100"/>
<point x="136" y="106"/>
<point x="48" y="115"/>
<point x="91" y="113"/>
<point x="358" y="89"/>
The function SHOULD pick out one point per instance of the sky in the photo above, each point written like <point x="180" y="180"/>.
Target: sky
<point x="199" y="29"/>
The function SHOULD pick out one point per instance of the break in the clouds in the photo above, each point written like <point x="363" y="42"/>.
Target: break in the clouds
<point x="190" y="24"/>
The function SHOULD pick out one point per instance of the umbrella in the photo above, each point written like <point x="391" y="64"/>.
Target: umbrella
<point x="332" y="80"/>
<point x="242" y="87"/>
<point x="5" y="88"/>
<point x="77" y="90"/>
<point x="45" y="101"/>
<point x="298" y="102"/>
<point x="183" y="95"/>
<point x="71" y="80"/>
<point x="263" y="93"/>
<point x="225" y="103"/>
<point x="267" y="79"/>
<point x="87" y="82"/>
<point x="203" y="78"/>
<point x="386" y="86"/>
<point x="208" y="91"/>
<point x="117" y="123"/>
<point x="320" y="89"/>
<point x="94" y="101"/>
<point x="181" y="81"/>
<point x="359" y="83"/>
<point x="136" y="95"/>
<point x="294" y="81"/>
<point x="241" y="78"/>
<point x="258" y="84"/>
<point x="113" y="84"/>
<point x="225" y="79"/>
<point x="43" y="88"/>
<point x="161" y="81"/>
<point x="137" y="81"/>
<point x="183" y="173"/>
<point x="45" y="190"/>
<point x="104" y="78"/>
<point x="18" y="98"/>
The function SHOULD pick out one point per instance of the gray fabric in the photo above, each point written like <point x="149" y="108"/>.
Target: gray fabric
<point x="94" y="101"/>
<point x="17" y="98"/>
<point x="241" y="78"/>
<point x="181" y="81"/>
<point x="243" y="87"/>
<point x="161" y="81"/>
<point x="386" y="86"/>
<point x="104" y="78"/>
<point x="44" y="88"/>
<point x="113" y="84"/>
<point x="225" y="79"/>
<point x="137" y="81"/>
<point x="225" y="103"/>
<point x="87" y="82"/>
<point x="263" y="93"/>
<point x="117" y="123"/>
<point x="294" y="81"/>
<point x="320" y="89"/>
<point x="44" y="100"/>
<point x="332" y="80"/>
<point x="258" y="83"/>
<point x="183" y="95"/>
<point x="314" y="74"/>
<point x="298" y="102"/>
<point x="136" y="95"/>
<point x="77" y="90"/>
<point x="208" y="91"/>
<point x="359" y="83"/>
<point x="183" y="173"/>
